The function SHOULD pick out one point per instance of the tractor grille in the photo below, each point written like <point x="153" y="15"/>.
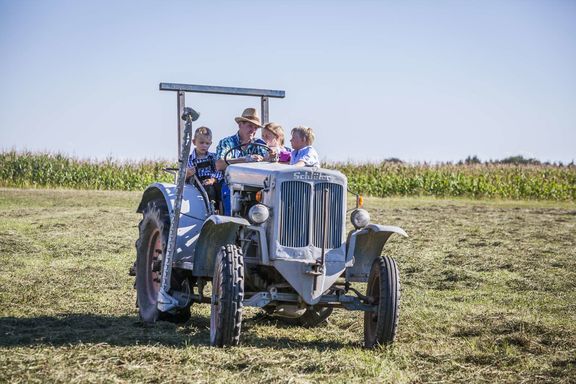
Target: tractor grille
<point x="294" y="214"/>
<point x="295" y="211"/>
<point x="334" y="216"/>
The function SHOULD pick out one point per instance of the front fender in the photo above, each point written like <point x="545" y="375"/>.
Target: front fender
<point x="216" y="232"/>
<point x="364" y="245"/>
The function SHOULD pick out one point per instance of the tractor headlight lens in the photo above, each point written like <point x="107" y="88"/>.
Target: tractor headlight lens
<point x="360" y="218"/>
<point x="258" y="214"/>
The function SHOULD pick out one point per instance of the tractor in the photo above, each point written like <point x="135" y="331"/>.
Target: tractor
<point x="284" y="248"/>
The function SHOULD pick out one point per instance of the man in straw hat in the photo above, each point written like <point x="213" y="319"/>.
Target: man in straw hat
<point x="248" y="123"/>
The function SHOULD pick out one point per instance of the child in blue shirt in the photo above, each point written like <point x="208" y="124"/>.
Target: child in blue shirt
<point x="203" y="163"/>
<point x="303" y="154"/>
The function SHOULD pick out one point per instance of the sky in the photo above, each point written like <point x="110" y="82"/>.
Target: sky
<point x="416" y="80"/>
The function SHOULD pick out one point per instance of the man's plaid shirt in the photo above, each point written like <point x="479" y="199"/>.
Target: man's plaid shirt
<point x="233" y="141"/>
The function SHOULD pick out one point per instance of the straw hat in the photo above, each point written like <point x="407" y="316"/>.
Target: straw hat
<point x="250" y="115"/>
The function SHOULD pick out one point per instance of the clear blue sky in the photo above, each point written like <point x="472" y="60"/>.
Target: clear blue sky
<point x="418" y="80"/>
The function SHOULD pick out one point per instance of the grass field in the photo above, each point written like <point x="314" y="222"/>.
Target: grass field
<point x="488" y="295"/>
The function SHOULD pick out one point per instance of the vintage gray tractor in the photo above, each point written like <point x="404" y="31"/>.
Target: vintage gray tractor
<point x="284" y="248"/>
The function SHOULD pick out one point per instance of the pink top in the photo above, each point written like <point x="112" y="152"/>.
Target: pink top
<point x="284" y="156"/>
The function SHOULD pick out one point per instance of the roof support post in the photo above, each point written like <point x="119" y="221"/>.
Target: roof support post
<point x="181" y="103"/>
<point x="265" y="111"/>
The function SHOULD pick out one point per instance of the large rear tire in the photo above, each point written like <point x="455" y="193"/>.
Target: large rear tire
<point x="384" y="287"/>
<point x="150" y="251"/>
<point x="227" y="296"/>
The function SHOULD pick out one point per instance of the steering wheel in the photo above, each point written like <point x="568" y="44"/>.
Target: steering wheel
<point x="243" y="145"/>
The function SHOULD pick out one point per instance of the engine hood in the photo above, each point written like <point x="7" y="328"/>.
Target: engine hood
<point x="261" y="174"/>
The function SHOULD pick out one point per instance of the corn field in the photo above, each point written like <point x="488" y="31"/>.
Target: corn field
<point x="500" y="181"/>
<point x="45" y="170"/>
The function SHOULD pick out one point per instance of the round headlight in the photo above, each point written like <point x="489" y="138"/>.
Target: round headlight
<point x="258" y="214"/>
<point x="360" y="218"/>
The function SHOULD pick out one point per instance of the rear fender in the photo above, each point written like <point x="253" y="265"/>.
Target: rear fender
<point x="156" y="191"/>
<point x="216" y="232"/>
<point x="193" y="204"/>
<point x="364" y="245"/>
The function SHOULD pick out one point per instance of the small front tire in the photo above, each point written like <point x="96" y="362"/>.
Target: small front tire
<point x="227" y="296"/>
<point x="384" y="288"/>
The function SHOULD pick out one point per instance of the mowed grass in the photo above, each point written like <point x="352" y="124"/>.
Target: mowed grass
<point x="488" y="295"/>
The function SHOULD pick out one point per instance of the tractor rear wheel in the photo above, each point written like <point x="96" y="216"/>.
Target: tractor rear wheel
<point x="227" y="296"/>
<point x="384" y="288"/>
<point x="150" y="251"/>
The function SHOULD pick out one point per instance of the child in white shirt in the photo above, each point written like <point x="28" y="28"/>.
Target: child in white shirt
<point x="303" y="154"/>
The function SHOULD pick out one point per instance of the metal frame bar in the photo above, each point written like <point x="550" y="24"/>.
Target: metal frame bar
<point x="222" y="90"/>
<point x="181" y="90"/>
<point x="181" y="103"/>
<point x="165" y="301"/>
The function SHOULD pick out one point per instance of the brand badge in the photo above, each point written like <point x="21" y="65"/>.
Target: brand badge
<point x="311" y="176"/>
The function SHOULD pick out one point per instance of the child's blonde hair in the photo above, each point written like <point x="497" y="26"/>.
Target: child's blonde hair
<point x="305" y="133"/>
<point x="276" y="130"/>
<point x="203" y="131"/>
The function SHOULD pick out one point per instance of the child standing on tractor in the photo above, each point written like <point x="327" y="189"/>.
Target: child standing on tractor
<point x="203" y="163"/>
<point x="273" y="135"/>
<point x="303" y="155"/>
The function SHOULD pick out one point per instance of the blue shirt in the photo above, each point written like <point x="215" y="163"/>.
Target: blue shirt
<point x="205" y="166"/>
<point x="307" y="154"/>
<point x="227" y="143"/>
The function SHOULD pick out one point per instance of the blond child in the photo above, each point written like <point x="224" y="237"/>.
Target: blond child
<point x="303" y="154"/>
<point x="273" y="135"/>
<point x="202" y="163"/>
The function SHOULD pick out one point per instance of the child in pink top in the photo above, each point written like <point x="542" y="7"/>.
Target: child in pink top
<point x="273" y="135"/>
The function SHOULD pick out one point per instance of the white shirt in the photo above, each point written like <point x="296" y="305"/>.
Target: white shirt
<point x="307" y="154"/>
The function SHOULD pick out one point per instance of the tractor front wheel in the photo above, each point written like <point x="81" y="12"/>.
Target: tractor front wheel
<point x="384" y="289"/>
<point x="227" y="296"/>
